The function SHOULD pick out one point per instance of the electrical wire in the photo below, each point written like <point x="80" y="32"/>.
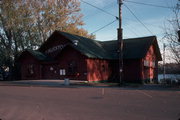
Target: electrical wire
<point x="131" y="30"/>
<point x="99" y="9"/>
<point x="144" y="23"/>
<point x="148" y="4"/>
<point x="138" y="19"/>
<point x="104" y="26"/>
<point x="92" y="14"/>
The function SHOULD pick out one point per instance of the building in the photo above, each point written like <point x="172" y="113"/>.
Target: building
<point x="64" y="55"/>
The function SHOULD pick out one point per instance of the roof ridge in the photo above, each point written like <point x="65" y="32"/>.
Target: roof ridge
<point x="38" y="54"/>
<point x="93" y="47"/>
<point x="80" y="37"/>
<point x="139" y="37"/>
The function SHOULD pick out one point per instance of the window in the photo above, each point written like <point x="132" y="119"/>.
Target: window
<point x="153" y="64"/>
<point x="31" y="69"/>
<point x="62" y="72"/>
<point x="72" y="68"/>
<point x="146" y="63"/>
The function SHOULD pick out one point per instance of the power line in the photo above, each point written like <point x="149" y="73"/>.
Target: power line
<point x="104" y="26"/>
<point x="131" y="30"/>
<point x="99" y="9"/>
<point x="138" y="19"/>
<point x="92" y="14"/>
<point x="148" y="4"/>
<point x="144" y="23"/>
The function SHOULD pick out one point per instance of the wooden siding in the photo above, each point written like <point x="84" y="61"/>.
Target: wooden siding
<point x="26" y="62"/>
<point x="69" y="55"/>
<point x="98" y="70"/>
<point x="149" y="71"/>
<point x="68" y="62"/>
<point x="49" y="71"/>
<point x="54" y="41"/>
<point x="132" y="70"/>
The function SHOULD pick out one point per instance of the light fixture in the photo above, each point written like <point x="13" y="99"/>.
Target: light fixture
<point x="75" y="42"/>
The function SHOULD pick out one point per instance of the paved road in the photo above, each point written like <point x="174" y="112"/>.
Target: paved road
<point x="86" y="103"/>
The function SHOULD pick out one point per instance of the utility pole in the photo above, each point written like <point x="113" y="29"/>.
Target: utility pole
<point x="120" y="43"/>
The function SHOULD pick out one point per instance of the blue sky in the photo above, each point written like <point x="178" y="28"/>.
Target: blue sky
<point x="153" y="17"/>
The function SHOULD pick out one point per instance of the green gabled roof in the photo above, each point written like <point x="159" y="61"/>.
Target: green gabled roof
<point x="134" y="48"/>
<point x="90" y="48"/>
<point x="111" y="47"/>
<point x="137" y="47"/>
<point x="38" y="55"/>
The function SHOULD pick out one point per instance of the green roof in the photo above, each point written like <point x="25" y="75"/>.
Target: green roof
<point x="137" y="47"/>
<point x="39" y="55"/>
<point x="134" y="48"/>
<point x="90" y="48"/>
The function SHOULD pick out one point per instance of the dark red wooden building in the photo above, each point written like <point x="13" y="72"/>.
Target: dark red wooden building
<point x="64" y="55"/>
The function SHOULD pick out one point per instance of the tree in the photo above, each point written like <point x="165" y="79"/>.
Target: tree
<point x="171" y="34"/>
<point x="171" y="68"/>
<point x="25" y="24"/>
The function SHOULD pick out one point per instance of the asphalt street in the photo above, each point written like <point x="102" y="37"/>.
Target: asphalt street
<point x="87" y="103"/>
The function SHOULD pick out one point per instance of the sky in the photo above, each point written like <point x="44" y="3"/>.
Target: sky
<point x="154" y="18"/>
